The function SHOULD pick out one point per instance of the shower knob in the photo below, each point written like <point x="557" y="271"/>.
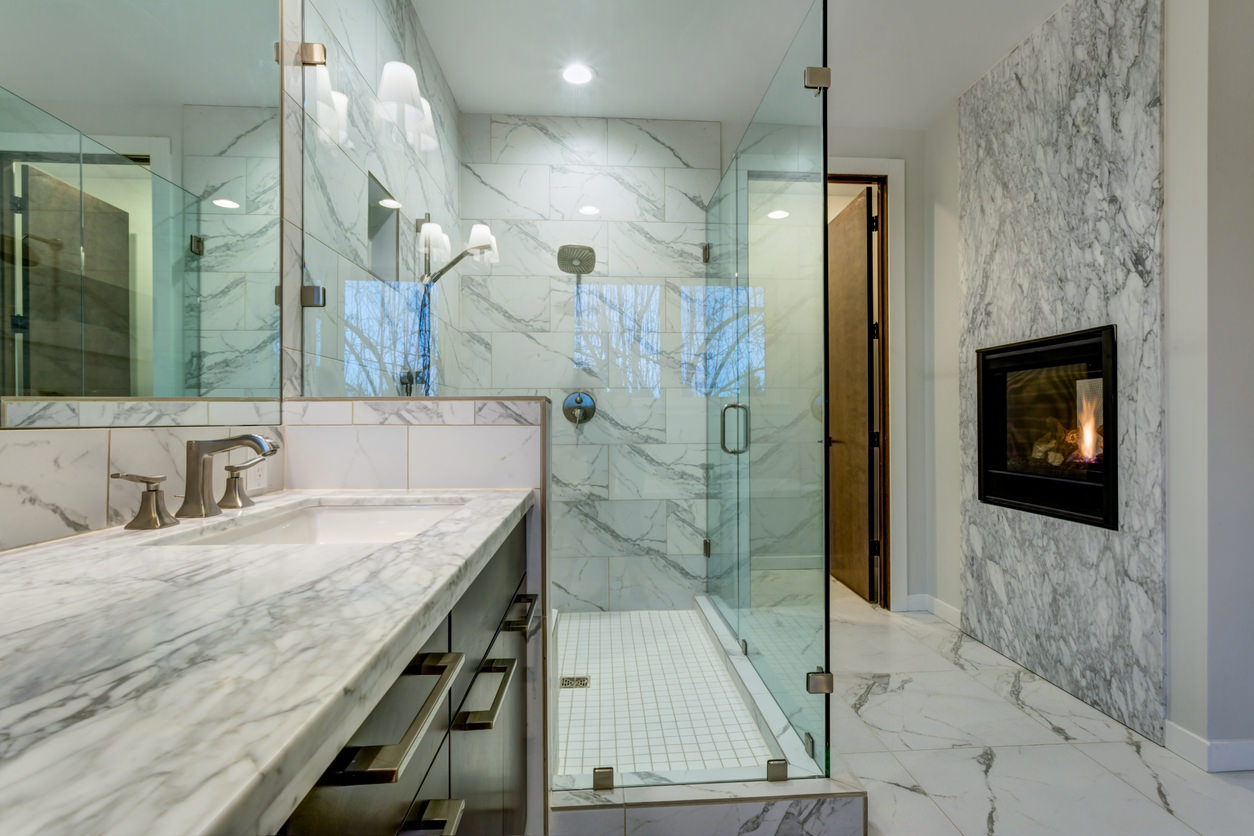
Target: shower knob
<point x="579" y="408"/>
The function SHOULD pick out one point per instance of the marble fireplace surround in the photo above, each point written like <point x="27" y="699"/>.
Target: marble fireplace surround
<point x="1060" y="207"/>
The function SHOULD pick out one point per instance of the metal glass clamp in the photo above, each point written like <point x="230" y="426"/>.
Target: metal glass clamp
<point x="820" y="682"/>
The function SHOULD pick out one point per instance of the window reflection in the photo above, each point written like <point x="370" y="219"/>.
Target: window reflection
<point x="389" y="330"/>
<point x="618" y="335"/>
<point x="724" y="338"/>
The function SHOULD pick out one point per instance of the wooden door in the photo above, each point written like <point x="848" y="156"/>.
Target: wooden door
<point x="849" y="289"/>
<point x="79" y="306"/>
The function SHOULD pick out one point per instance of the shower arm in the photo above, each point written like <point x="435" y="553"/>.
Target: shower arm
<point x="427" y="276"/>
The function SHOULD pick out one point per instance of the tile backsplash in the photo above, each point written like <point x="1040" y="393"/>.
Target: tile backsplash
<point x="55" y="483"/>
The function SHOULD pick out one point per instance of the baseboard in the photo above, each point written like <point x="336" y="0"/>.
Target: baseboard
<point x="1211" y="755"/>
<point x="934" y="605"/>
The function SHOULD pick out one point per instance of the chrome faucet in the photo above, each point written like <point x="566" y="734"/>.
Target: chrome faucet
<point x="198" y="498"/>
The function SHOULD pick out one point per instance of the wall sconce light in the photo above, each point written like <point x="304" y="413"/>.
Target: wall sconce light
<point x="330" y="107"/>
<point x="402" y="104"/>
<point x="434" y="242"/>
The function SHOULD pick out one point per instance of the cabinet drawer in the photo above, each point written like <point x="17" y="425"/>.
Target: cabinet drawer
<point x="371" y="784"/>
<point x="475" y="618"/>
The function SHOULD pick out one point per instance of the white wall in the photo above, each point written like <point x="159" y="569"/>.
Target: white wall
<point x="942" y="460"/>
<point x="1185" y="358"/>
<point x="1230" y="293"/>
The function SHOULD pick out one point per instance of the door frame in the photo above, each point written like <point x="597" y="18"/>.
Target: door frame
<point x="893" y="353"/>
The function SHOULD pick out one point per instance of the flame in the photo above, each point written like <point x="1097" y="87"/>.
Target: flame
<point x="1088" y="429"/>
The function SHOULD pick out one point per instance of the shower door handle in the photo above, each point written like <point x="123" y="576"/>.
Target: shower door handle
<point x="723" y="430"/>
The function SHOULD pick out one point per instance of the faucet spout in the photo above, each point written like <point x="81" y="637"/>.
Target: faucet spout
<point x="198" y="500"/>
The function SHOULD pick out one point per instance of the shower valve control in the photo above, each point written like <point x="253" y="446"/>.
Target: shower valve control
<point x="579" y="408"/>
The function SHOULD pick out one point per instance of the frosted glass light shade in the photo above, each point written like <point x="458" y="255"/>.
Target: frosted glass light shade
<point x="433" y="241"/>
<point x="480" y="236"/>
<point x="493" y="255"/>
<point x="399" y="85"/>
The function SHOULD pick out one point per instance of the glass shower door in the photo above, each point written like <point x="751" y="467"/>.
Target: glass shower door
<point x="768" y="563"/>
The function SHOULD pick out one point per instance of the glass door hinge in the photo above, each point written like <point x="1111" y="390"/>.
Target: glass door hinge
<point x="197" y="245"/>
<point x="818" y="78"/>
<point x="820" y="682"/>
<point x="705" y="253"/>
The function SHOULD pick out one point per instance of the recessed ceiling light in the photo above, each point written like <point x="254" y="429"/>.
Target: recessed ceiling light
<point x="589" y="210"/>
<point x="577" y="73"/>
<point x="223" y="203"/>
<point x="389" y="203"/>
<point x="777" y="215"/>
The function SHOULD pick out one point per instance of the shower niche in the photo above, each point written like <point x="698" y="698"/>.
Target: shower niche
<point x="1048" y="427"/>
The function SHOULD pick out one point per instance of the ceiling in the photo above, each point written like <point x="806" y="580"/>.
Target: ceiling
<point x="895" y="63"/>
<point x="141" y="52"/>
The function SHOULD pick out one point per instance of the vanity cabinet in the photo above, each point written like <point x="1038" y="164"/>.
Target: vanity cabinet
<point x="444" y="750"/>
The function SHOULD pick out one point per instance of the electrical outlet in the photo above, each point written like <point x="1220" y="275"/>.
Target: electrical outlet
<point x="255" y="478"/>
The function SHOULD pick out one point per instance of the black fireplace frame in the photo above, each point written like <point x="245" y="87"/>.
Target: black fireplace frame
<point x="1094" y="500"/>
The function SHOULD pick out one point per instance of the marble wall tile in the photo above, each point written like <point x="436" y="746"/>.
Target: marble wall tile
<point x="241" y="413"/>
<point x="657" y="142"/>
<point x="354" y="23"/>
<point x="505" y="303"/>
<point x="556" y="140"/>
<point x="685" y="526"/>
<point x="490" y="191"/>
<point x="262" y="192"/>
<point x="317" y="412"/>
<point x="608" y="529"/>
<point x="622" y="418"/>
<point x="51" y="483"/>
<point x="468" y="457"/>
<point x="416" y="412"/>
<point x="620" y="193"/>
<point x="655" y="582"/>
<point x="608" y="822"/>
<point x="688" y="194"/>
<point x="544" y="359"/>
<point x="247" y="243"/>
<point x="476" y="129"/>
<point x="580" y="471"/>
<point x="335" y="196"/>
<point x="94" y="413"/>
<point x="211" y="131"/>
<point x="658" y="471"/>
<point x="657" y="249"/>
<point x="579" y="584"/>
<point x="293" y="163"/>
<point x="40" y="414"/>
<point x="346" y="457"/>
<point x="520" y="413"/>
<point x="1034" y="589"/>
<point x="217" y="178"/>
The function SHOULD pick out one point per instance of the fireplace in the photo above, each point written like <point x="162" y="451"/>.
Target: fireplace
<point x="1048" y="427"/>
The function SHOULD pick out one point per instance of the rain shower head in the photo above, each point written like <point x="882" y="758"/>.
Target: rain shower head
<point x="576" y="259"/>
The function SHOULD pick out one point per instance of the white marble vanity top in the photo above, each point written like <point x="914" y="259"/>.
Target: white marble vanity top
<point x="170" y="690"/>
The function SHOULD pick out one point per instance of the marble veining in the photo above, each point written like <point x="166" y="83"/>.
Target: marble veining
<point x="112" y="642"/>
<point x="1060" y="204"/>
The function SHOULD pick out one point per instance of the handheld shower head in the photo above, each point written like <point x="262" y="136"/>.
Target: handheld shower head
<point x="576" y="259"/>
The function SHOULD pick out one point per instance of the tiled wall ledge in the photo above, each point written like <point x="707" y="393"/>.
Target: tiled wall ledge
<point x="42" y="413"/>
<point x="55" y="482"/>
<point x="416" y="443"/>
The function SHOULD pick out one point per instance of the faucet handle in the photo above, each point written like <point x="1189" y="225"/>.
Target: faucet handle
<point x="152" y="513"/>
<point x="153" y="482"/>
<point x="235" y="469"/>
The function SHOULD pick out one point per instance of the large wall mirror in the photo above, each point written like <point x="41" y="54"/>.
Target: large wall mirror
<point x="139" y="212"/>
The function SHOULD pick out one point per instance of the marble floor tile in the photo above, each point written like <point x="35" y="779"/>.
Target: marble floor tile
<point x="1070" y="719"/>
<point x="881" y="648"/>
<point x="1211" y="803"/>
<point x="850" y="735"/>
<point x="896" y="804"/>
<point x="936" y="710"/>
<point x="962" y="651"/>
<point x="1030" y="790"/>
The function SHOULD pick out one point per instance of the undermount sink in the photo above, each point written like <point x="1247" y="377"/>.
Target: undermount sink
<point x="329" y="524"/>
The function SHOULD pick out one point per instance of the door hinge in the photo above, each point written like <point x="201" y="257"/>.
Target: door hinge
<point x="818" y="78"/>
<point x="705" y="547"/>
<point x="17" y="204"/>
<point x="875" y="223"/>
<point x="875" y="439"/>
<point x="313" y="55"/>
<point x="875" y="548"/>
<point x="819" y="681"/>
<point x="705" y="253"/>
<point x="744" y="647"/>
<point x="809" y="741"/>
<point x="875" y="330"/>
<point x="197" y="245"/>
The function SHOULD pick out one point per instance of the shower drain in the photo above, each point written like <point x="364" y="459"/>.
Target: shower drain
<point x="576" y="681"/>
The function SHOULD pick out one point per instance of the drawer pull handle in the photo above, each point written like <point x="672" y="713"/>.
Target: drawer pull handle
<point x="520" y="625"/>
<point x="485" y="720"/>
<point x="356" y="765"/>
<point x="445" y="814"/>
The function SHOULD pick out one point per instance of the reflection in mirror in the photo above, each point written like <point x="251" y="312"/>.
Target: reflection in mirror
<point x="139" y="211"/>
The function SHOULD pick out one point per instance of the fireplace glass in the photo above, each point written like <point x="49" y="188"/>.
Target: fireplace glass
<point x="1047" y="426"/>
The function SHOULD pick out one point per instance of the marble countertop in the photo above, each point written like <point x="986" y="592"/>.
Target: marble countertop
<point x="193" y="689"/>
